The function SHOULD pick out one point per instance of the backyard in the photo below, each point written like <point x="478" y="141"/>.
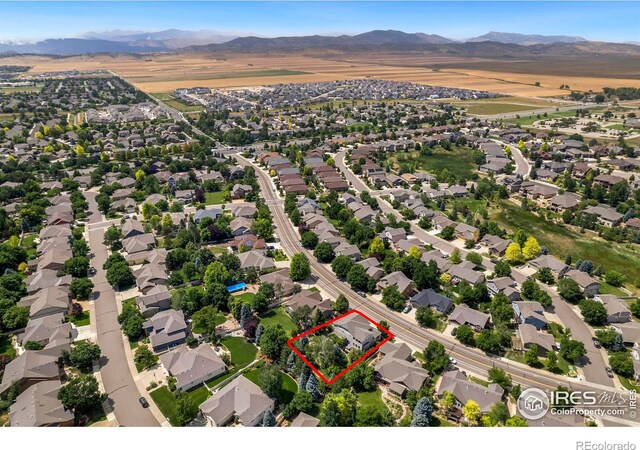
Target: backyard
<point x="288" y="385"/>
<point x="6" y="349"/>
<point x="242" y="352"/>
<point x="279" y="315"/>
<point x="214" y="198"/>
<point x="373" y="398"/>
<point x="167" y="404"/>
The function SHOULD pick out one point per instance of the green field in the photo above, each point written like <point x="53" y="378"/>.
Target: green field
<point x="6" y="349"/>
<point x="525" y="120"/>
<point x="11" y="90"/>
<point x="242" y="351"/>
<point x="279" y="315"/>
<point x="373" y="398"/>
<point x="287" y="384"/>
<point x="82" y="321"/>
<point x="167" y="403"/>
<point x="213" y="198"/>
<point x="458" y="161"/>
<point x="563" y="241"/>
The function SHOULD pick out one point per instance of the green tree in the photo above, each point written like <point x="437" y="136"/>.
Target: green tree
<point x="300" y="268"/>
<point x="392" y="298"/>
<point x="422" y="413"/>
<point x="272" y="341"/>
<point x="622" y="364"/>
<point x="309" y="239"/>
<point x="515" y="421"/>
<point x="502" y="269"/>
<point x="324" y="252"/>
<point x="186" y="408"/>
<point x="120" y="275"/>
<point x="263" y="228"/>
<point x="447" y="233"/>
<point x="614" y="278"/>
<point x="373" y="416"/>
<point x="426" y="317"/>
<point x="83" y="354"/>
<point x="81" y="288"/>
<point x="498" y="414"/>
<point x="500" y="377"/>
<point x="376" y="248"/>
<point x="144" y="357"/>
<point x="341" y="305"/>
<point x="436" y="358"/>
<point x="465" y="335"/>
<point x="593" y="312"/>
<point x="358" y="278"/>
<point x="552" y="362"/>
<point x="570" y="290"/>
<point x="302" y="402"/>
<point x="531" y="356"/>
<point x="545" y="275"/>
<point x="271" y="380"/>
<point x="77" y="267"/>
<point x="471" y="412"/>
<point x="81" y="394"/>
<point x="572" y="350"/>
<point x="15" y="317"/>
<point x="341" y="266"/>
<point x="216" y="273"/>
<point x="205" y="319"/>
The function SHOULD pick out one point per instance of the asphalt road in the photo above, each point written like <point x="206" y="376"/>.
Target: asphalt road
<point x="116" y="376"/>
<point x="468" y="358"/>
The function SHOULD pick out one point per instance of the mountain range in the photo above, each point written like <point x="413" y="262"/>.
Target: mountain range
<point x="134" y="41"/>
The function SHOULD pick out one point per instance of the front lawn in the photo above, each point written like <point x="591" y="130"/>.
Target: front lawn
<point x="279" y="315"/>
<point x="213" y="198"/>
<point x="81" y="321"/>
<point x="288" y="386"/>
<point x="167" y="403"/>
<point x="606" y="288"/>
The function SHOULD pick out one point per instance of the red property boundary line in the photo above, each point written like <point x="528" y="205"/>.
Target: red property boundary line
<point x="355" y="363"/>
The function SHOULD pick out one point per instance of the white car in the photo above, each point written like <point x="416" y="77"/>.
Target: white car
<point x="452" y="360"/>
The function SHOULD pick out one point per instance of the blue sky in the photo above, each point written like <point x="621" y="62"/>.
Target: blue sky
<point x="610" y="21"/>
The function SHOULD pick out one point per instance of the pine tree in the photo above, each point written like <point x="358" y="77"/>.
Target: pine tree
<point x="268" y="420"/>
<point x="422" y="413"/>
<point x="312" y="387"/>
<point x="291" y="361"/>
<point x="304" y="377"/>
<point x="259" y="331"/>
<point x="245" y="313"/>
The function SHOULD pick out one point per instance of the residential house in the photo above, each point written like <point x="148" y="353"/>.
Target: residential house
<point x="462" y="315"/>
<point x="557" y="267"/>
<point x="157" y="299"/>
<point x="430" y="298"/>
<point x="530" y="313"/>
<point x="256" y="259"/>
<point x="166" y="329"/>
<point x="398" y="279"/>
<point x="465" y="272"/>
<point x="398" y="371"/>
<point x="191" y="367"/>
<point x="617" y="311"/>
<point x="39" y="406"/>
<point x="464" y="390"/>
<point x="313" y="300"/>
<point x="281" y="281"/>
<point x="360" y="333"/>
<point x="529" y="335"/>
<point x="588" y="285"/>
<point x="240" y="401"/>
<point x="305" y="420"/>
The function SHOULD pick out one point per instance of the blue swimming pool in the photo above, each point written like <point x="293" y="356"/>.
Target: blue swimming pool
<point x="237" y="287"/>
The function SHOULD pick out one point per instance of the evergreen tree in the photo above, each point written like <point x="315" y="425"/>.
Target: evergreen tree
<point x="245" y="313"/>
<point x="312" y="387"/>
<point x="269" y="419"/>
<point x="259" y="331"/>
<point x="304" y="377"/>
<point x="291" y="361"/>
<point x="422" y="413"/>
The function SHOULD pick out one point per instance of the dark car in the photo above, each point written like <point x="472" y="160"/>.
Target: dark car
<point x="92" y="270"/>
<point x="596" y="342"/>
<point x="609" y="372"/>
<point x="143" y="401"/>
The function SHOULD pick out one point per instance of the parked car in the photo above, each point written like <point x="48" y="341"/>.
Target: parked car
<point x="452" y="360"/>
<point x="406" y="309"/>
<point x="143" y="401"/>
<point x="596" y="343"/>
<point x="609" y="372"/>
<point x="92" y="270"/>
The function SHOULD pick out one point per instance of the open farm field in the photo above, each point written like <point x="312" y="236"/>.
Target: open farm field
<point x="168" y="71"/>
